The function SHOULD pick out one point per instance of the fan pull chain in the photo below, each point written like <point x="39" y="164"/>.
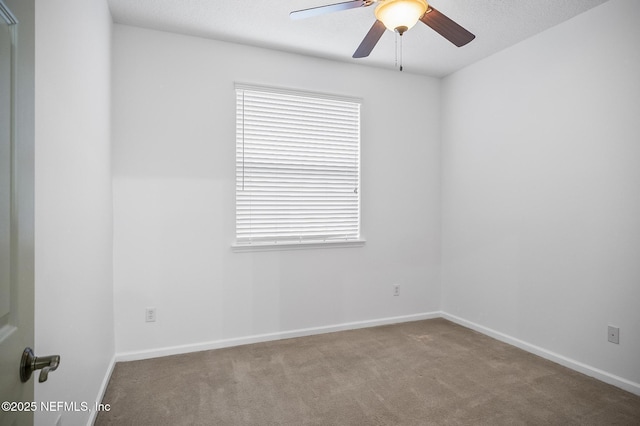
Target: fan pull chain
<point x="396" y="40"/>
<point x="398" y="51"/>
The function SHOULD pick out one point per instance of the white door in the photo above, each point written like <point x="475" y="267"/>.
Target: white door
<point x="16" y="212"/>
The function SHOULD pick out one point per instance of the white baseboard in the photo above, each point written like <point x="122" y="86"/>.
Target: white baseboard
<point x="258" y="338"/>
<point x="551" y="356"/>
<point x="246" y="340"/>
<point x="102" y="390"/>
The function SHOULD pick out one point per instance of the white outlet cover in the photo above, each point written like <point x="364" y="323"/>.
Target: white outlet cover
<point x="614" y="334"/>
<point x="150" y="315"/>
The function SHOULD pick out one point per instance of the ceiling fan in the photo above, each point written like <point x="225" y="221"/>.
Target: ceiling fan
<point x="397" y="16"/>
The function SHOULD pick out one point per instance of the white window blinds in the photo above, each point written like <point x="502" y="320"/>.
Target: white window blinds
<point x="297" y="167"/>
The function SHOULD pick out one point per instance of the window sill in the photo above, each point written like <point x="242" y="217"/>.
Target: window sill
<point x="241" y="248"/>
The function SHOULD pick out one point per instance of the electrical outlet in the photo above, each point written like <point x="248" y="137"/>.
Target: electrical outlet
<point x="396" y="289"/>
<point x="614" y="334"/>
<point x="150" y="315"/>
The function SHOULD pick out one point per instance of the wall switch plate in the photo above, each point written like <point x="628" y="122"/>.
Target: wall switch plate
<point x="150" y="315"/>
<point x="396" y="289"/>
<point x="614" y="334"/>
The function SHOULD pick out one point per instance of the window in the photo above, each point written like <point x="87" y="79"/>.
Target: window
<point x="297" y="169"/>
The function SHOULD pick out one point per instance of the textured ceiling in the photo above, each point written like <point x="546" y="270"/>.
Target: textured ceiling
<point x="497" y="25"/>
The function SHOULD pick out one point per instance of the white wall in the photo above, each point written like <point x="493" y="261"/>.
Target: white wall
<point x="541" y="190"/>
<point x="73" y="209"/>
<point x="174" y="159"/>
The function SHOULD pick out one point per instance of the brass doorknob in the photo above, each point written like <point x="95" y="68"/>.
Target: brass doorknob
<point x="30" y="363"/>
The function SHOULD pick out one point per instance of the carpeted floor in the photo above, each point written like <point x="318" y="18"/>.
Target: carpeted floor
<point x="429" y="372"/>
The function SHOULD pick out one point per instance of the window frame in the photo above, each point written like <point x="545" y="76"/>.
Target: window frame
<point x="308" y="242"/>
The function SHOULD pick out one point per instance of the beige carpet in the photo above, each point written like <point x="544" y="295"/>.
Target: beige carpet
<point x="429" y="372"/>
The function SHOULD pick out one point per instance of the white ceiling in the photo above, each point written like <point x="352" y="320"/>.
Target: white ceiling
<point x="497" y="25"/>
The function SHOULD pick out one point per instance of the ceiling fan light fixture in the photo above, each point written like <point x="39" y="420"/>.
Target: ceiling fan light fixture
<point x="400" y="15"/>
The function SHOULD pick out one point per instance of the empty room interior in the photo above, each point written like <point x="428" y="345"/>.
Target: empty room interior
<point x="492" y="219"/>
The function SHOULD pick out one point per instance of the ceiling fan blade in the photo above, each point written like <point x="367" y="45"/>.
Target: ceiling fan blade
<point x="321" y="10"/>
<point x="370" y="40"/>
<point x="446" y="27"/>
